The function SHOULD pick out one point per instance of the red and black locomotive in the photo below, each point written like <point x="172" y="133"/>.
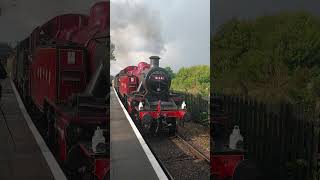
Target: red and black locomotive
<point x="61" y="69"/>
<point x="145" y="91"/>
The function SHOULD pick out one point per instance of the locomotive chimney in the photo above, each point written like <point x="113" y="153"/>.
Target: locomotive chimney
<point x="154" y="61"/>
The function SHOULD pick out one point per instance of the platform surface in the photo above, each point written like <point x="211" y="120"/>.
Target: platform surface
<point x="20" y="157"/>
<point x="128" y="159"/>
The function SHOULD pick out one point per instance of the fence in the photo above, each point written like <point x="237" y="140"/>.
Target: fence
<point x="283" y="139"/>
<point x="198" y="106"/>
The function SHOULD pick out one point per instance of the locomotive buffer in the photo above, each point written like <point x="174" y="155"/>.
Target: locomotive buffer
<point x="130" y="156"/>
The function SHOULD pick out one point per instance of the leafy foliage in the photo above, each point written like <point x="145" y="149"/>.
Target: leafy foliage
<point x="195" y="79"/>
<point x="170" y="71"/>
<point x="272" y="58"/>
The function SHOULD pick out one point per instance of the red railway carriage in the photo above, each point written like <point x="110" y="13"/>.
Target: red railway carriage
<point x="60" y="68"/>
<point x="145" y="90"/>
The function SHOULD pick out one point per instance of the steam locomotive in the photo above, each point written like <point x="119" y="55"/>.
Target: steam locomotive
<point x="61" y="70"/>
<point x="145" y="91"/>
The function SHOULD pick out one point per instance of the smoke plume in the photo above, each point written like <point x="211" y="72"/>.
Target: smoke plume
<point x="135" y="32"/>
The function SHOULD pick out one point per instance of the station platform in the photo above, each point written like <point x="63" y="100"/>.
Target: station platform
<point x="130" y="156"/>
<point x="23" y="153"/>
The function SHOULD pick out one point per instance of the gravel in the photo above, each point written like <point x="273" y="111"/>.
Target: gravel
<point x="178" y="159"/>
<point x="197" y="135"/>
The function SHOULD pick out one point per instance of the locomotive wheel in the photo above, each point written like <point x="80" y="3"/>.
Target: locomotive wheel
<point x="147" y="125"/>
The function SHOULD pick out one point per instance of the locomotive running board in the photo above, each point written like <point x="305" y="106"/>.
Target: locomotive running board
<point x="51" y="161"/>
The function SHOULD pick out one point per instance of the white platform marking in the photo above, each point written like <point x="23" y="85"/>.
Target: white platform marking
<point x="51" y="161"/>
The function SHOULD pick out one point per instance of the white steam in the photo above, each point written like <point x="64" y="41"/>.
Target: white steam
<point x="136" y="33"/>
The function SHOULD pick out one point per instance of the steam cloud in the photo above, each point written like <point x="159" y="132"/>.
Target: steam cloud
<point x="136" y="33"/>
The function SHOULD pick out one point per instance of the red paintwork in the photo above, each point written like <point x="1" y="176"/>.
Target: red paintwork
<point x="77" y="28"/>
<point x="177" y="114"/>
<point x="54" y="75"/>
<point x="156" y="114"/>
<point x="61" y="133"/>
<point x="64" y="27"/>
<point x="126" y="88"/>
<point x="130" y="69"/>
<point x="128" y="84"/>
<point x="102" y="166"/>
<point x="141" y="67"/>
<point x="52" y="78"/>
<point x="125" y="85"/>
<point x="223" y="166"/>
<point x="99" y="21"/>
<point x="40" y="83"/>
<point x="72" y="76"/>
<point x="65" y="79"/>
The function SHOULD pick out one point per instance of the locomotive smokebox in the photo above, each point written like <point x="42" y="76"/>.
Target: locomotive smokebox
<point x="154" y="61"/>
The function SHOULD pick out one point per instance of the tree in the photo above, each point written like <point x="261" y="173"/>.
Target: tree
<point x="195" y="79"/>
<point x="171" y="73"/>
<point x="272" y="58"/>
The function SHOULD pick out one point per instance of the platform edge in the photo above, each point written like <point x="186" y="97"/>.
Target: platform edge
<point x="51" y="161"/>
<point x="155" y="164"/>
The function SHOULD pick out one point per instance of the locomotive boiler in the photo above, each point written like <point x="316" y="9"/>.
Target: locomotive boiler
<point x="145" y="91"/>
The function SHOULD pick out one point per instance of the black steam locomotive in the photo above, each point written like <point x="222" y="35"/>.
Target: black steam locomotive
<point x="145" y="91"/>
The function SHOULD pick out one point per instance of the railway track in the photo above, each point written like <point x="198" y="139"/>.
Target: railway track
<point x="179" y="158"/>
<point x="195" y="150"/>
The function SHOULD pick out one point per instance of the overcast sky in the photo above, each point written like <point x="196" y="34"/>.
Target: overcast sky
<point x="176" y="30"/>
<point x="224" y="10"/>
<point x="19" y="17"/>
